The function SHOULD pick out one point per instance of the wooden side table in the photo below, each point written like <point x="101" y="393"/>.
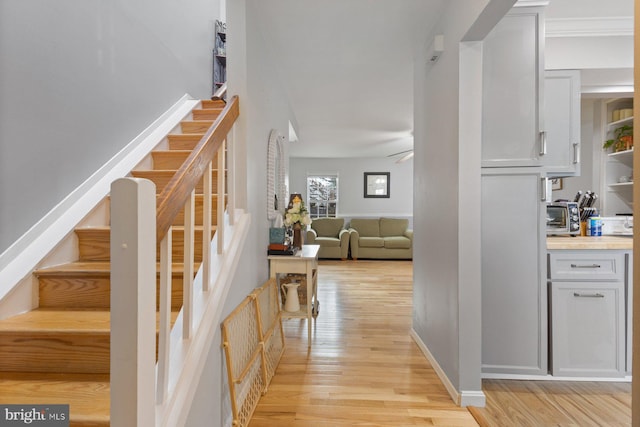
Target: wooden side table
<point x="305" y="261"/>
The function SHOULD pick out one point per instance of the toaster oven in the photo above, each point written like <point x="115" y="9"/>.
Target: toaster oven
<point x="563" y="218"/>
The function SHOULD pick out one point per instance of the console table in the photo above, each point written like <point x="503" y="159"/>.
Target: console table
<point x="305" y="261"/>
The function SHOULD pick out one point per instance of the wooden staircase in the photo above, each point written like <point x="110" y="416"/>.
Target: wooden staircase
<point x="58" y="353"/>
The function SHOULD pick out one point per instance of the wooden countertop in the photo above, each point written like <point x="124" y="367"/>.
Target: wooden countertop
<point x="586" y="242"/>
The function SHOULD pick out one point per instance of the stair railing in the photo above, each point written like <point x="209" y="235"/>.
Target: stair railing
<point x="136" y="227"/>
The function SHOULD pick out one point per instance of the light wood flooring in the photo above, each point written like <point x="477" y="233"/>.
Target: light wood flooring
<point x="363" y="369"/>
<point x="552" y="403"/>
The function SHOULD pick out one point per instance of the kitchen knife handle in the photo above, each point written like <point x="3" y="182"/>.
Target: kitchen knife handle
<point x="544" y="184"/>
<point x="580" y="295"/>
<point x="543" y="143"/>
<point x="585" y="266"/>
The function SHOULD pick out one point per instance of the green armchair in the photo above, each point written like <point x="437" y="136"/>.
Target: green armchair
<point x="332" y="237"/>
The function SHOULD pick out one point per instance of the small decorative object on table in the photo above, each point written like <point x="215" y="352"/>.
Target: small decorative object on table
<point x="297" y="217"/>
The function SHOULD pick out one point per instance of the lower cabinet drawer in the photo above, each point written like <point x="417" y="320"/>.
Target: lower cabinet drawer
<point x="587" y="329"/>
<point x="586" y="265"/>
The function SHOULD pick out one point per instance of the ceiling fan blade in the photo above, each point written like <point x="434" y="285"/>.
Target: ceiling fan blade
<point x="400" y="152"/>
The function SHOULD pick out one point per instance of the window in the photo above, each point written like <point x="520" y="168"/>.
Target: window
<point x="322" y="191"/>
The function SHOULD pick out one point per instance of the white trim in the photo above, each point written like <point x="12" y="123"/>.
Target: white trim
<point x="436" y="367"/>
<point x="589" y="27"/>
<point x="491" y="376"/>
<point x="473" y="398"/>
<point x="606" y="91"/>
<point x="377" y="215"/>
<point x="17" y="261"/>
<point x="531" y="3"/>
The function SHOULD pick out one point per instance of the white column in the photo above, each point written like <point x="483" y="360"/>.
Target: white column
<point x="133" y="302"/>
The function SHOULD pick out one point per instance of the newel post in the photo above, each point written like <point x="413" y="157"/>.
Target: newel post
<point x="133" y="302"/>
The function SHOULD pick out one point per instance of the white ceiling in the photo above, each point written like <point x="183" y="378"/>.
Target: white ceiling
<point x="347" y="67"/>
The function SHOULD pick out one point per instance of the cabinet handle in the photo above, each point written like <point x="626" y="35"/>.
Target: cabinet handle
<point x="579" y="295"/>
<point x="544" y="184"/>
<point x="543" y="143"/>
<point x="576" y="153"/>
<point x="585" y="266"/>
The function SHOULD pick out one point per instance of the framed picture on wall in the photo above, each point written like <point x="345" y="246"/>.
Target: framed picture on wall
<point x="556" y="183"/>
<point x="377" y="184"/>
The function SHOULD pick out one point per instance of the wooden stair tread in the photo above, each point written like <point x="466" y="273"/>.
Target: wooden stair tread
<point x="81" y="268"/>
<point x="87" y="395"/>
<point x="58" y="321"/>
<point x="213" y="103"/>
<point x="105" y="228"/>
<point x="185" y="136"/>
<point x="62" y="321"/>
<point x="153" y="172"/>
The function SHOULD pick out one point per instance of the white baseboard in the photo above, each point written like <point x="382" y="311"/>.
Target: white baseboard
<point x="463" y="398"/>
<point x="500" y="376"/>
<point x="453" y="392"/>
<point x="17" y="261"/>
<point x="473" y="398"/>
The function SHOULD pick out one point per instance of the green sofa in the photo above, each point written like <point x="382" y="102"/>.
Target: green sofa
<point x="332" y="237"/>
<point x="381" y="238"/>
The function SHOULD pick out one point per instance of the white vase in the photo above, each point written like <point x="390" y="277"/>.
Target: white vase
<point x="291" y="300"/>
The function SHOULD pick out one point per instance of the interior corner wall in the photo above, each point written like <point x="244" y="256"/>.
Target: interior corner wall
<point x="78" y="81"/>
<point x="439" y="183"/>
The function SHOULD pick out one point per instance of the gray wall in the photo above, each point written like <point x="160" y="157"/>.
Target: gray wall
<point x="446" y="253"/>
<point x="253" y="76"/>
<point x="78" y="81"/>
<point x="351" y="201"/>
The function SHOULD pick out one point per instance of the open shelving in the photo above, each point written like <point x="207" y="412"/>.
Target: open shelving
<point x="617" y="166"/>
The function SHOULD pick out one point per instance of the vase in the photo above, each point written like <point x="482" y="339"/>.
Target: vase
<point x="292" y="303"/>
<point x="298" y="238"/>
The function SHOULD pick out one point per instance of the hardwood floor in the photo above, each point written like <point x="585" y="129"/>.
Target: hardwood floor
<point x="552" y="403"/>
<point x="363" y="367"/>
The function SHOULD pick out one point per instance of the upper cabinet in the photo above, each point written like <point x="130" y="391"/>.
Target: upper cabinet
<point x="617" y="169"/>
<point x="562" y="122"/>
<point x="513" y="91"/>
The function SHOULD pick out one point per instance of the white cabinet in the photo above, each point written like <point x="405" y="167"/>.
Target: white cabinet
<point x="562" y="122"/>
<point x="514" y="291"/>
<point x="513" y="84"/>
<point x="617" y="168"/>
<point x="588" y="308"/>
<point x="587" y="329"/>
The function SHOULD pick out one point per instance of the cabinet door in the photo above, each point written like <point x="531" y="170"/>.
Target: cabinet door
<point x="513" y="90"/>
<point x="587" y="329"/>
<point x="562" y="122"/>
<point x="514" y="291"/>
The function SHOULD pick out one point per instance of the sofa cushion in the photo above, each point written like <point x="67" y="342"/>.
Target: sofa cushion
<point x="397" y="242"/>
<point x="393" y="227"/>
<point x="366" y="227"/>
<point x="327" y="227"/>
<point x="371" y="242"/>
<point x="329" y="242"/>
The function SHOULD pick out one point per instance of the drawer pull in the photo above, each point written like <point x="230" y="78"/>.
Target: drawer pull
<point x="579" y="295"/>
<point x="585" y="266"/>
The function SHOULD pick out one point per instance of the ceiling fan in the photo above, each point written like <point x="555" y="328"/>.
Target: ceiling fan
<point x="407" y="154"/>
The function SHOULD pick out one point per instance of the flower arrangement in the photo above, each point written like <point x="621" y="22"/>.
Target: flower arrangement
<point x="297" y="212"/>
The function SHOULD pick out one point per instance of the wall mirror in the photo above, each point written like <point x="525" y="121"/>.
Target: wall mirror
<point x="276" y="169"/>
